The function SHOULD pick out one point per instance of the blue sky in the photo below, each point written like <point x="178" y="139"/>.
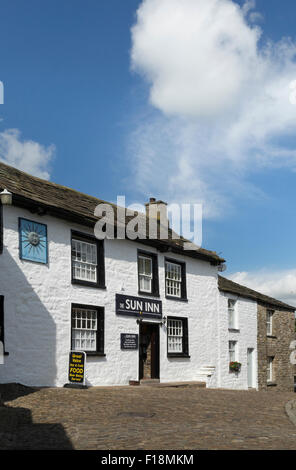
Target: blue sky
<point x="83" y="105"/>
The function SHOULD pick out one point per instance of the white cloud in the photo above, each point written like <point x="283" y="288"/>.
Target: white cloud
<point x="25" y="155"/>
<point x="196" y="54"/>
<point x="280" y="285"/>
<point x="220" y="101"/>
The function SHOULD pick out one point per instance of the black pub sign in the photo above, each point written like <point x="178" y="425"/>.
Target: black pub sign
<point x="138" y="306"/>
<point x="76" y="367"/>
<point x="129" y="341"/>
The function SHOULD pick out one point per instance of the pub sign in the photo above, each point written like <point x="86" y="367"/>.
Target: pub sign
<point x="138" y="306"/>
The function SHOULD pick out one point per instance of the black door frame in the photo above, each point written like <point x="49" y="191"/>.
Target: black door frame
<point x="155" y="356"/>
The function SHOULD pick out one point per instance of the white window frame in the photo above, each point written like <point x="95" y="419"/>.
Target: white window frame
<point x="175" y="332"/>
<point x="232" y="351"/>
<point x="269" y="322"/>
<point x="232" y="314"/>
<point x="270" y="374"/>
<point x="173" y="279"/>
<point x="83" y="265"/>
<point x="143" y="275"/>
<point x="84" y="324"/>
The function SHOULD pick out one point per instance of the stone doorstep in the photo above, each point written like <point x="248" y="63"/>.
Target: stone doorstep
<point x="157" y="383"/>
<point x="149" y="382"/>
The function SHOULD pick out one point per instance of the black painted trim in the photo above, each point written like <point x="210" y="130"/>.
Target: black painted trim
<point x="155" y="277"/>
<point x="100" y="328"/>
<point x="100" y="260"/>
<point x="2" y="319"/>
<point x="2" y="329"/>
<point x="185" y="339"/>
<point x="95" y="354"/>
<point x="1" y="229"/>
<point x="176" y="355"/>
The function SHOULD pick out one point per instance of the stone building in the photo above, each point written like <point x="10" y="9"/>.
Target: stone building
<point x="274" y="328"/>
<point x="140" y="309"/>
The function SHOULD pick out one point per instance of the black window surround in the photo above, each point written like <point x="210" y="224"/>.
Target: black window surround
<point x="185" y="342"/>
<point x="183" y="297"/>
<point x="1" y="229"/>
<point x="84" y="237"/>
<point x="2" y="337"/>
<point x="100" y="337"/>
<point x="155" y="279"/>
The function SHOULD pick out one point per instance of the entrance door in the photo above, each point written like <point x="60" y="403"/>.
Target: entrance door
<point x="250" y="361"/>
<point x="149" y="351"/>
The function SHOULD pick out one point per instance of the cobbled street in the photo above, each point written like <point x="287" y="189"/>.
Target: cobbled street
<point x="158" y="418"/>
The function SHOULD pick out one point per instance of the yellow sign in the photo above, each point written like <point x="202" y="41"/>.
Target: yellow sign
<point x="77" y="367"/>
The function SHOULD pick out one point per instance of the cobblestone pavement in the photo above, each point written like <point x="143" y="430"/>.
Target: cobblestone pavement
<point x="146" y="418"/>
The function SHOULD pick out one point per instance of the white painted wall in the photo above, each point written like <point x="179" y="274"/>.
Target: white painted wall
<point x="38" y="311"/>
<point x="246" y="338"/>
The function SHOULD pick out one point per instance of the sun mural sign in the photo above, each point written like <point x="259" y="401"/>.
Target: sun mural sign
<point x="33" y="241"/>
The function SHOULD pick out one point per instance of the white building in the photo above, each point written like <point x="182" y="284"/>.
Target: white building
<point x="140" y="310"/>
<point x="237" y="340"/>
<point x="257" y="331"/>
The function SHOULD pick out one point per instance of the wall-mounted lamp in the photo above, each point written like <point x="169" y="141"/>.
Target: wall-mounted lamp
<point x="164" y="320"/>
<point x="222" y="267"/>
<point x="6" y="198"/>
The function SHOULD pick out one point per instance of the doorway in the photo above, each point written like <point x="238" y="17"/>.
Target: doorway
<point x="250" y="362"/>
<point x="149" y="351"/>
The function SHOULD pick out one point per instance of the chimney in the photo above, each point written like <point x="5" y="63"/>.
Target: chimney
<point x="156" y="209"/>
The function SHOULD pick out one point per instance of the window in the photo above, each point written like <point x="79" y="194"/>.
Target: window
<point x="270" y="369"/>
<point x="87" y="326"/>
<point x="87" y="260"/>
<point x="148" y="273"/>
<point x="232" y="314"/>
<point x="84" y="258"/>
<point x="177" y="336"/>
<point x="232" y="351"/>
<point x="269" y="326"/>
<point x="145" y="274"/>
<point x="175" y="279"/>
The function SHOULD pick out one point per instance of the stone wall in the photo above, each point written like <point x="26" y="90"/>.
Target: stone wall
<point x="278" y="346"/>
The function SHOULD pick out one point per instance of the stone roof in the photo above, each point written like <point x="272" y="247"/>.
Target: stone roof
<point x="43" y="196"/>
<point x="232" y="287"/>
